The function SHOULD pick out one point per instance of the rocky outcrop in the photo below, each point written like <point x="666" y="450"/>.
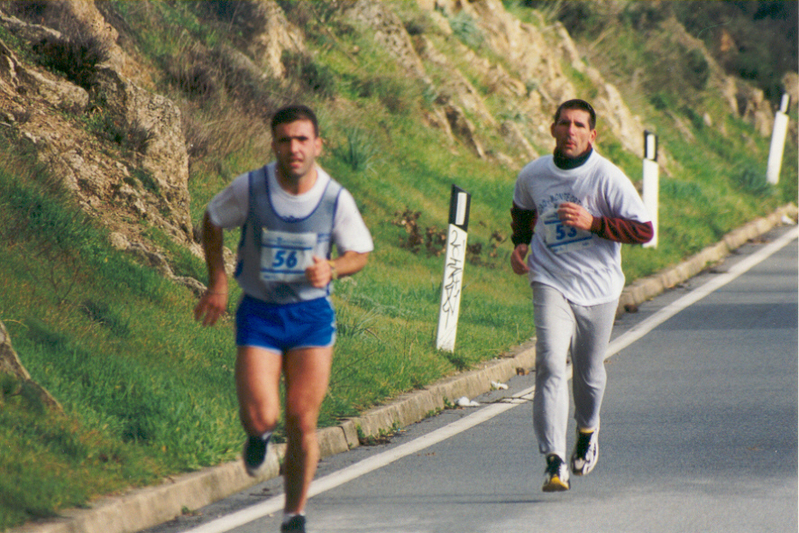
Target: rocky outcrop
<point x="33" y="84"/>
<point x="151" y="257"/>
<point x="153" y="125"/>
<point x="790" y="83"/>
<point x="9" y="360"/>
<point x="389" y="33"/>
<point x="274" y="35"/>
<point x="79" y="19"/>
<point x="72" y="129"/>
<point x="753" y="107"/>
<point x="29" y="102"/>
<point x="11" y="364"/>
<point x="514" y="137"/>
<point x="742" y="99"/>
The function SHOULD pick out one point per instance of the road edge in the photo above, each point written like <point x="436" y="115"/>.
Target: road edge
<point x="147" y="507"/>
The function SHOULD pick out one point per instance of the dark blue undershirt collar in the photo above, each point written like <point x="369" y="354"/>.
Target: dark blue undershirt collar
<point x="566" y="163"/>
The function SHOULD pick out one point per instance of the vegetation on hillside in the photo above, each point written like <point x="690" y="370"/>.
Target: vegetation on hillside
<point x="755" y="40"/>
<point x="147" y="392"/>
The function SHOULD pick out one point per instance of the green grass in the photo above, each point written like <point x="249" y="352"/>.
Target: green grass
<point x="50" y="461"/>
<point x="148" y="393"/>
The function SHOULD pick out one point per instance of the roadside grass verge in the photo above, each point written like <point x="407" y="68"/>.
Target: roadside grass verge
<point x="145" y="387"/>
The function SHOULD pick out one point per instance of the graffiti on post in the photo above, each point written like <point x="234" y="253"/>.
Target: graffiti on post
<point x="451" y="288"/>
<point x="453" y="275"/>
<point x="453" y="269"/>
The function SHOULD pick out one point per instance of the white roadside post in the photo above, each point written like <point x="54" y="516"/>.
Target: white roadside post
<point x="778" y="141"/>
<point x="453" y="269"/>
<point x="651" y="183"/>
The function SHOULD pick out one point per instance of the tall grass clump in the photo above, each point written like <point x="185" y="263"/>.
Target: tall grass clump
<point x="358" y="150"/>
<point x="466" y="29"/>
<point x="754" y="182"/>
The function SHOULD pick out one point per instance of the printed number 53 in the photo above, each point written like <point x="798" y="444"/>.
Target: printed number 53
<point x="562" y="232"/>
<point x="285" y="258"/>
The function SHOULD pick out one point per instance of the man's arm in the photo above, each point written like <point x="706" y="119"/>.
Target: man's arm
<point x="622" y="230"/>
<point x="347" y="264"/>
<point x="523" y="226"/>
<point x="213" y="303"/>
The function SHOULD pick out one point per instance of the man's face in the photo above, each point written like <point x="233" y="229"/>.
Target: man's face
<point x="296" y="147"/>
<point x="572" y="132"/>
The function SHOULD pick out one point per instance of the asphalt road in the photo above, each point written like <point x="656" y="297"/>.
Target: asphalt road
<point x="699" y="434"/>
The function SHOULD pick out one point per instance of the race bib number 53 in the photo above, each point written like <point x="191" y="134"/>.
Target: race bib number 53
<point x="560" y="238"/>
<point x="285" y="256"/>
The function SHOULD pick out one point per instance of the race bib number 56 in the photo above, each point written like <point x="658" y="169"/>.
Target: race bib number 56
<point x="285" y="256"/>
<point x="560" y="238"/>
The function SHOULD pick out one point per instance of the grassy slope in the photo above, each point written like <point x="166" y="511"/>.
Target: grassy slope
<point x="116" y="344"/>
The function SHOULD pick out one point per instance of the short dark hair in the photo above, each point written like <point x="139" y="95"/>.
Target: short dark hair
<point x="292" y="113"/>
<point x="578" y="104"/>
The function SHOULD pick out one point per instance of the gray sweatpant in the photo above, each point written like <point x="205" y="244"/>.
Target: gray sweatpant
<point x="562" y="326"/>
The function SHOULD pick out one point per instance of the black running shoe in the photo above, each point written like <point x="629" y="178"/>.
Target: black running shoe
<point x="297" y="523"/>
<point x="556" y="476"/>
<point x="255" y="455"/>
<point x="586" y="453"/>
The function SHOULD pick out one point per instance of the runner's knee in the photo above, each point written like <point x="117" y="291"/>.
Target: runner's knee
<point x="257" y="420"/>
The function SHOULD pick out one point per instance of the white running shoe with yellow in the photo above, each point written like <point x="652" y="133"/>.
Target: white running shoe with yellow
<point x="586" y="452"/>
<point x="556" y="476"/>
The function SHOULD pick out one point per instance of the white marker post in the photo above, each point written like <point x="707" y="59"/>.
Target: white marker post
<point x="651" y="183"/>
<point x="778" y="141"/>
<point x="453" y="269"/>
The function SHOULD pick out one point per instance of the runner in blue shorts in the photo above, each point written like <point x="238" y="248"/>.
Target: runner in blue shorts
<point x="291" y="215"/>
<point x="280" y="328"/>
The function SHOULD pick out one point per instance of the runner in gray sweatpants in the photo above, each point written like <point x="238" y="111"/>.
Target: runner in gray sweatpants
<point x="571" y="212"/>
<point x="562" y="327"/>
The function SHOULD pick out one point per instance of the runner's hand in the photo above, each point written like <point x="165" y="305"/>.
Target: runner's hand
<point x="319" y="274"/>
<point x="211" y="306"/>
<point x="575" y="215"/>
<point x="517" y="262"/>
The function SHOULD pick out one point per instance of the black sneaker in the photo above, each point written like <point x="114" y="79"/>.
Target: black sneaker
<point x="255" y="455"/>
<point x="297" y="523"/>
<point x="586" y="453"/>
<point x="556" y="476"/>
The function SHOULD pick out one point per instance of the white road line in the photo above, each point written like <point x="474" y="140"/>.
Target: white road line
<point x="647" y="325"/>
<point x="272" y="505"/>
<point x="323" y="484"/>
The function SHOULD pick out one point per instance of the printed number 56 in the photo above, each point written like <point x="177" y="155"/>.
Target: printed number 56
<point x="285" y="258"/>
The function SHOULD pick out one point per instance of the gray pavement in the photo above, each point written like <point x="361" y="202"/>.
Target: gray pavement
<point x="698" y="433"/>
<point x="145" y="508"/>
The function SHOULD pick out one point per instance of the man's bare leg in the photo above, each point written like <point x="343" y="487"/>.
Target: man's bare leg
<point x="307" y="372"/>
<point x="258" y="387"/>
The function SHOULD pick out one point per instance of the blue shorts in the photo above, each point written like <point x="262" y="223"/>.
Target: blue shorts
<point x="283" y="327"/>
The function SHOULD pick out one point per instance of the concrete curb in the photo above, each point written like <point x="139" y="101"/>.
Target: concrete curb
<point x="144" y="508"/>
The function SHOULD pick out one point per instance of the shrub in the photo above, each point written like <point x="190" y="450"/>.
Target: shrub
<point x="130" y="137"/>
<point x="417" y="26"/>
<point x="314" y="77"/>
<point x="697" y="68"/>
<point x="396" y="94"/>
<point x="75" y="58"/>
